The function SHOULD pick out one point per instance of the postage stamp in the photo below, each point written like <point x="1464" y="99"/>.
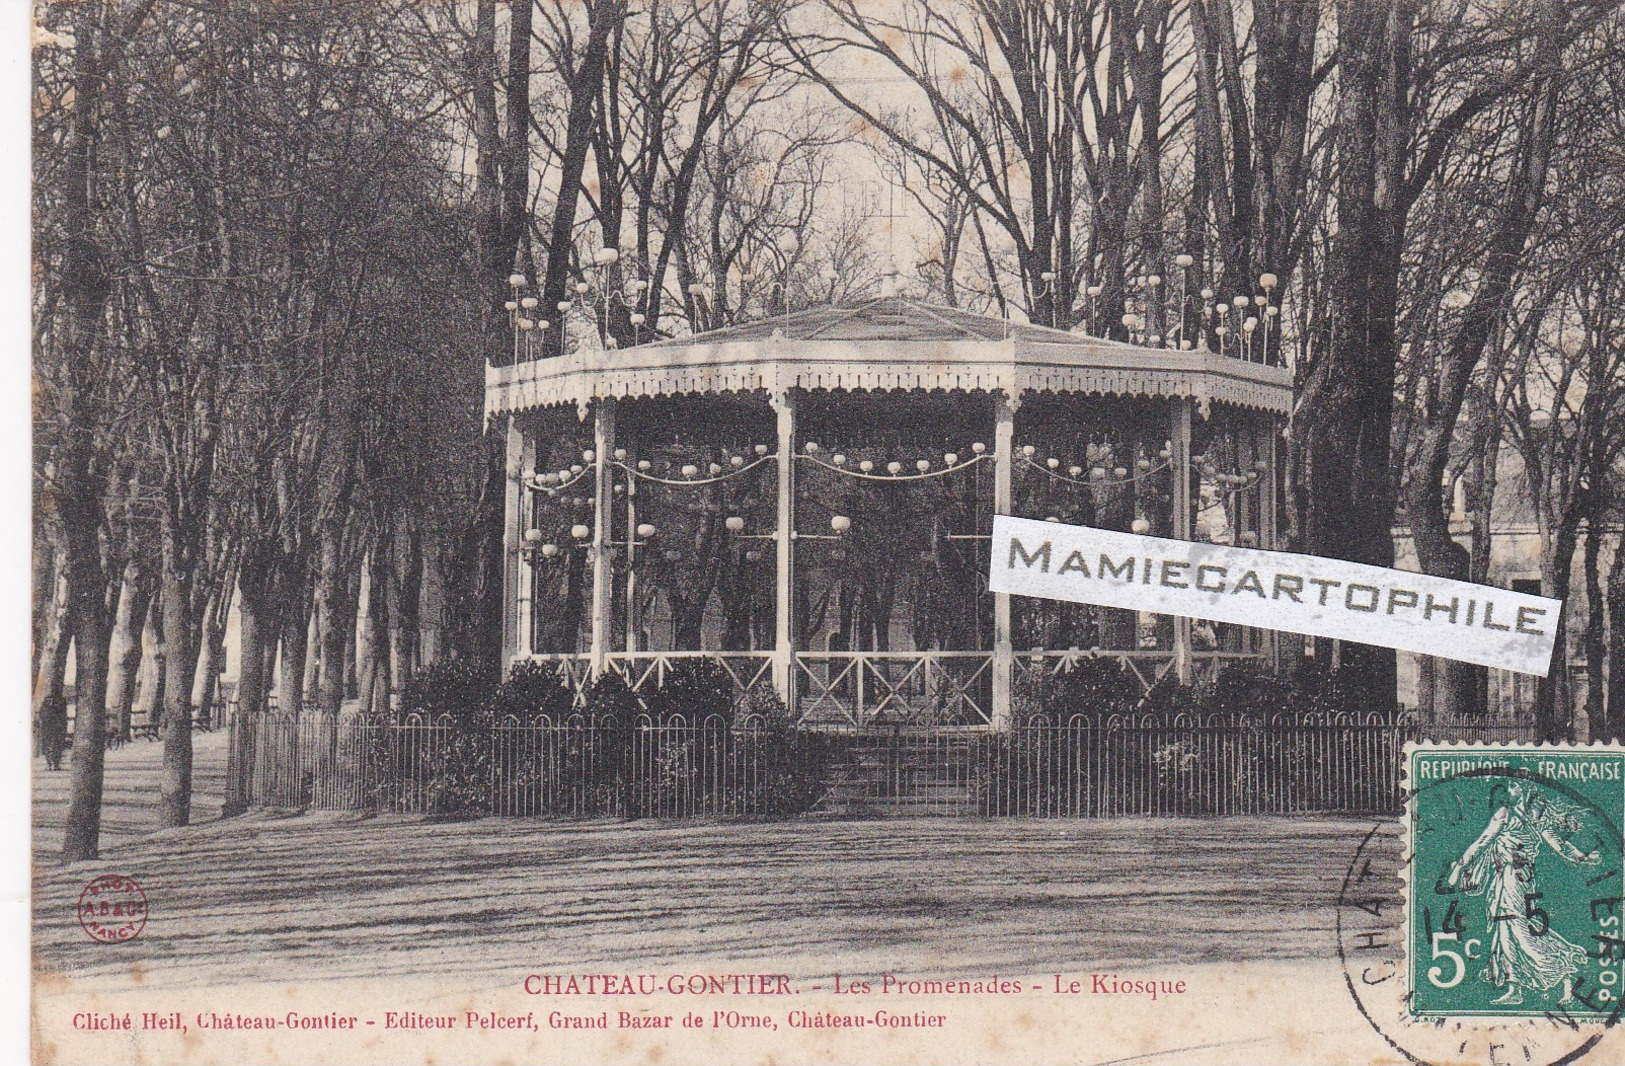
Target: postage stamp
<point x="1515" y="894"/>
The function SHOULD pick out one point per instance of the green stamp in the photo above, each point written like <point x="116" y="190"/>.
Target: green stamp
<point x="1516" y="895"/>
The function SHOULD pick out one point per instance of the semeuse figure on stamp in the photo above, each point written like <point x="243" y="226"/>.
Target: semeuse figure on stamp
<point x="1525" y="952"/>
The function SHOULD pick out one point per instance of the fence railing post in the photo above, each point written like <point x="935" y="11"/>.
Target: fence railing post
<point x="1140" y="764"/>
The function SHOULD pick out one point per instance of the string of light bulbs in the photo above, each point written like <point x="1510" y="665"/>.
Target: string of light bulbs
<point x="690" y="471"/>
<point x="1097" y="475"/>
<point x="837" y="464"/>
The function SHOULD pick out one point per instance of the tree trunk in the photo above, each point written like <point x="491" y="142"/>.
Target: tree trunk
<point x="294" y="636"/>
<point x="1119" y="627"/>
<point x="407" y="616"/>
<point x="379" y="612"/>
<point x="46" y="576"/>
<point x="1554" y="707"/>
<point x="210" y="655"/>
<point x="175" y="774"/>
<point x="1615" y="729"/>
<point x="1458" y="688"/>
<point x="350" y="617"/>
<point x="687" y="624"/>
<point x="1148" y="77"/>
<point x="1429" y="499"/>
<point x="252" y="627"/>
<point x="566" y="628"/>
<point x="251" y="631"/>
<point x="476" y="629"/>
<point x="367" y="651"/>
<point x="432" y="623"/>
<point x="501" y="219"/>
<point x="1346" y="418"/>
<point x="1592" y="640"/>
<point x="50" y="694"/>
<point x="75" y="500"/>
<point x="125" y="654"/>
<point x="587" y="79"/>
<point x="150" y="675"/>
<point x="330" y="596"/>
<point x="313" y="656"/>
<point x="83" y="838"/>
<point x="205" y="680"/>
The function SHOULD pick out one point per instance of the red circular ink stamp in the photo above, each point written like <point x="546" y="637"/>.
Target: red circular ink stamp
<point x="112" y="909"/>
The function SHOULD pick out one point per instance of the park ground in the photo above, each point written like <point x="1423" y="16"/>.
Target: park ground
<point x="265" y="894"/>
<point x="308" y="905"/>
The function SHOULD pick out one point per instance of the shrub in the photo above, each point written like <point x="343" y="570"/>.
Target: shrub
<point x="1095" y="687"/>
<point x="1168" y="698"/>
<point x="458" y="772"/>
<point x="1155" y="767"/>
<point x="609" y="696"/>
<point x="764" y="705"/>
<point x="694" y="689"/>
<point x="443" y="765"/>
<point x="789" y="765"/>
<point x="687" y="741"/>
<point x="1330" y="693"/>
<point x="1246" y="688"/>
<point x="695" y="752"/>
<point x="455" y="687"/>
<point x="1032" y="692"/>
<point x="531" y="690"/>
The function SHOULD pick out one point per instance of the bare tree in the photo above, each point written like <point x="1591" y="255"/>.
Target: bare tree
<point x="1521" y="189"/>
<point x="1255" y="137"/>
<point x="76" y="247"/>
<point x="1400" y="109"/>
<point x="1049" y="100"/>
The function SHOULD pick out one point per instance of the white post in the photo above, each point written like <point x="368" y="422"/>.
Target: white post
<point x="524" y="596"/>
<point x="513" y="517"/>
<point x="603" y="575"/>
<point x="784" y="677"/>
<point x="1180" y="433"/>
<point x="631" y="564"/>
<point x="1004" y="421"/>
<point x="1271" y="518"/>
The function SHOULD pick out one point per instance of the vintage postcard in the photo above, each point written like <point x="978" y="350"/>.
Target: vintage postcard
<point x="827" y="531"/>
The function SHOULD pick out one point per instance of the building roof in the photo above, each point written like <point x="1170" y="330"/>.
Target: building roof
<point x="886" y="344"/>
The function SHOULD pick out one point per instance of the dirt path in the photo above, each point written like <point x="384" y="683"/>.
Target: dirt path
<point x="130" y="794"/>
<point x="311" y="912"/>
<point x="280" y="898"/>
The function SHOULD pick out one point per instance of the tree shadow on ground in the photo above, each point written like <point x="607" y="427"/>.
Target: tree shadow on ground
<point x="286" y="899"/>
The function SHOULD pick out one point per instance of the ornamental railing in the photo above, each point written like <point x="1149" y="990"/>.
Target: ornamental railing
<point x="1196" y="765"/>
<point x="1080" y="767"/>
<point x="647" y="671"/>
<point x="521" y="767"/>
<point x="886" y="688"/>
<point x="1149" y="666"/>
<point x="873" y="688"/>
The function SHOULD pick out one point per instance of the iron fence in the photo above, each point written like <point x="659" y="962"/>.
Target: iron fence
<point x="570" y="767"/>
<point x="1082" y="766"/>
<point x="1197" y="765"/>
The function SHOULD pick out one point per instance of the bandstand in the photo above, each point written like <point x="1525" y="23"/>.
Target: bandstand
<point x="806" y="501"/>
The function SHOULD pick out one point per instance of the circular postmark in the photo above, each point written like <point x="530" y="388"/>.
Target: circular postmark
<point x="112" y="909"/>
<point x="1393" y="900"/>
